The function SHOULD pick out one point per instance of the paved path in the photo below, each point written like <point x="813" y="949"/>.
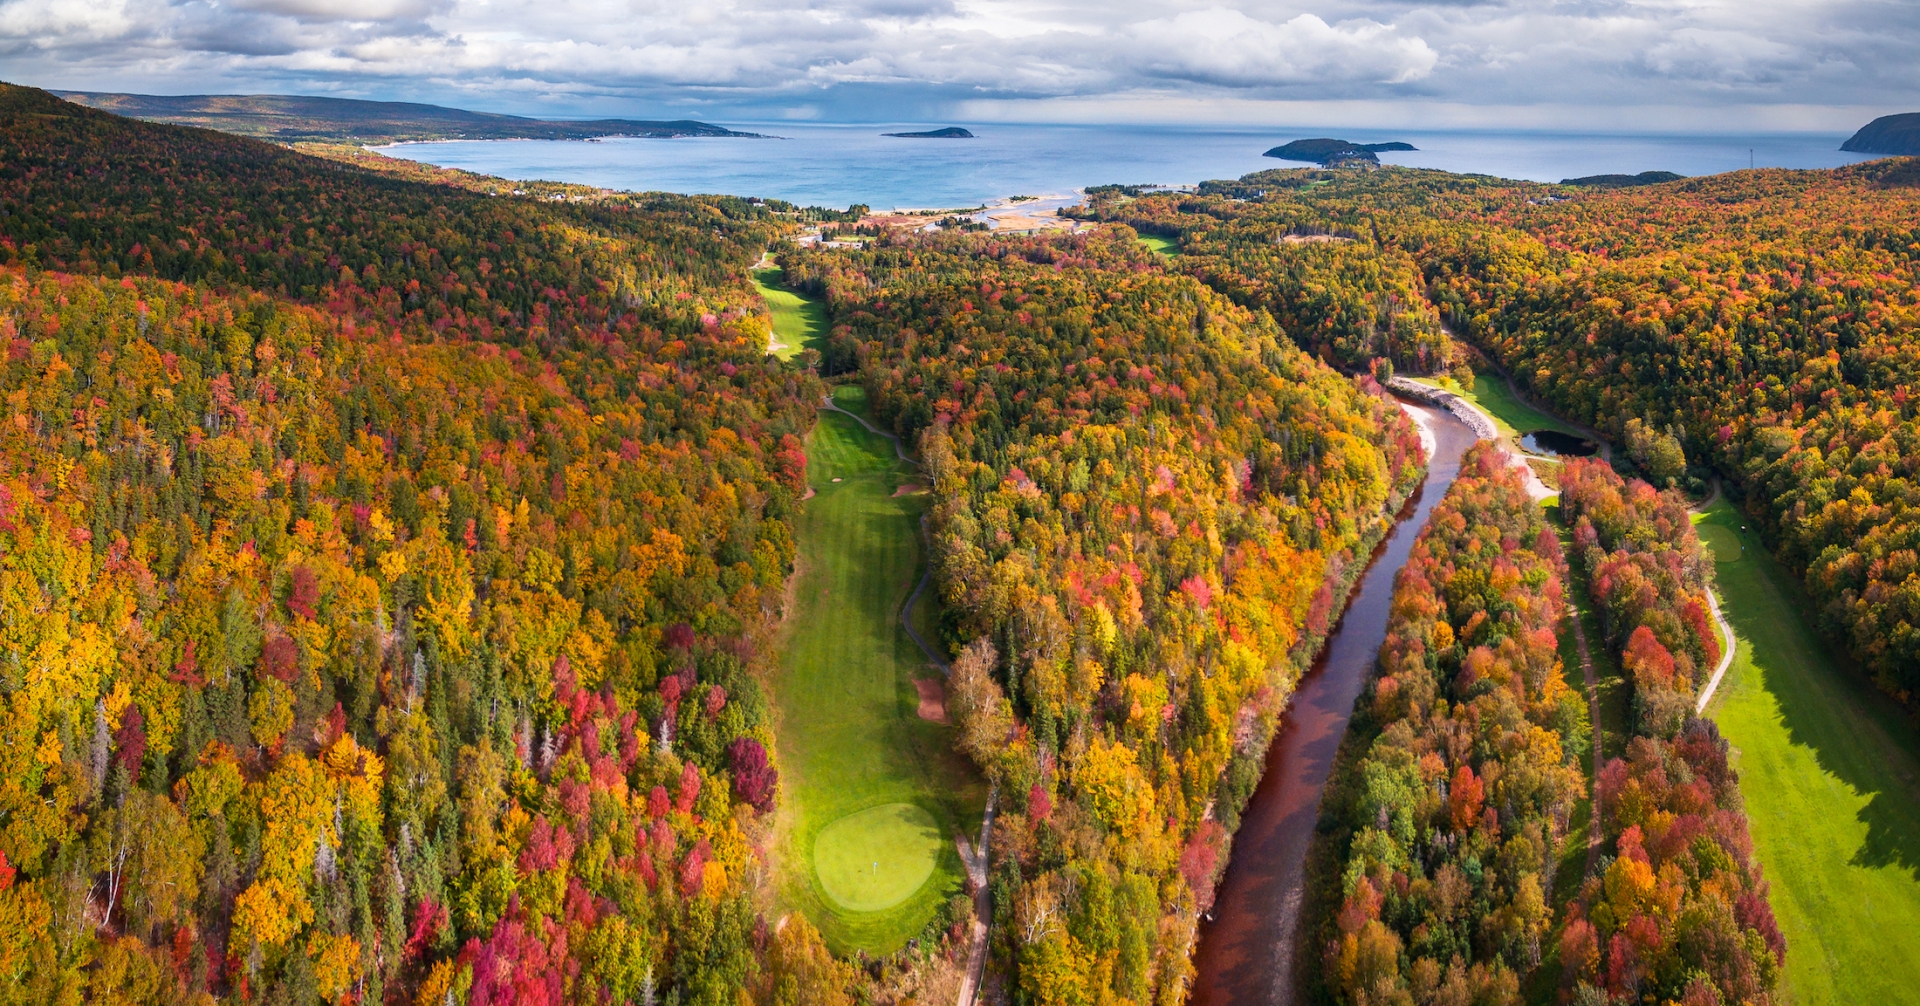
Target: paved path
<point x="1732" y="642"/>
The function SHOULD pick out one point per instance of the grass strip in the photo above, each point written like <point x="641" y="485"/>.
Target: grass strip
<point x="1828" y="767"/>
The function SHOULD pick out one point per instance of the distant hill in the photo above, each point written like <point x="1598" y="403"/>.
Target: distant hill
<point x="949" y="133"/>
<point x="1889" y="134"/>
<point x="1623" y="181"/>
<point x="1325" y="150"/>
<point x="289" y="117"/>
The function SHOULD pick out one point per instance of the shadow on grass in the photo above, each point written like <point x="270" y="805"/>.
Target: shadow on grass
<point x="1825" y="700"/>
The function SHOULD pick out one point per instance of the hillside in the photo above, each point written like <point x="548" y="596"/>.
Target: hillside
<point x="1330" y="151"/>
<point x="289" y="117"/>
<point x="404" y="592"/>
<point x="1889" y="134"/>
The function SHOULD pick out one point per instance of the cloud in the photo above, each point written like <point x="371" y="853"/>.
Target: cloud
<point x="1228" y="48"/>
<point x="920" y="58"/>
<point x="345" y="10"/>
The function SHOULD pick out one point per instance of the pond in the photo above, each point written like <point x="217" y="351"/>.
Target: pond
<point x="1558" y="444"/>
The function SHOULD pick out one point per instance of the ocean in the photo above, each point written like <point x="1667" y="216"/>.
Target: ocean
<point x="838" y="165"/>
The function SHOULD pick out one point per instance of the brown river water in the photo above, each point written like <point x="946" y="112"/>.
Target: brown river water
<point x="1246" y="954"/>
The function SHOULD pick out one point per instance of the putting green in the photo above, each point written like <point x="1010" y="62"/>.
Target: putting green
<point x="1724" y="544"/>
<point x="874" y="860"/>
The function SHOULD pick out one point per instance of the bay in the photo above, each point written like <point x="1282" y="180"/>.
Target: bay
<point x="820" y="164"/>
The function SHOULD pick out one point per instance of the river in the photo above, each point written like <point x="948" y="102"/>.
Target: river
<point x="1246" y="955"/>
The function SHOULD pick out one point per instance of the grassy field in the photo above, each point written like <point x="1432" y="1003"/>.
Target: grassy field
<point x="798" y="323"/>
<point x="1831" y="776"/>
<point x="1510" y="415"/>
<point x="1160" y="245"/>
<point x="850" y="742"/>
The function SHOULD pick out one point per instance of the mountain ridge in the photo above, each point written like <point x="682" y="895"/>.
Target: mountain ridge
<point x="290" y="117"/>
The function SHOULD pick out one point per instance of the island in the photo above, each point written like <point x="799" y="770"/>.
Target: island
<point x="1889" y="134"/>
<point x="949" y="133"/>
<point x="289" y="118"/>
<point x="1622" y="181"/>
<point x="1325" y="150"/>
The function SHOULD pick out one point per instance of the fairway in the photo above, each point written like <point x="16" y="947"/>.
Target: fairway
<point x="798" y="322"/>
<point x="877" y="858"/>
<point x="1511" y="416"/>
<point x="1160" y="245"/>
<point x="1829" y="773"/>
<point x="1723" y="542"/>
<point x="866" y="780"/>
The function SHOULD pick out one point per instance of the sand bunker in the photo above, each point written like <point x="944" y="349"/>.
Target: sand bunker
<point x="933" y="699"/>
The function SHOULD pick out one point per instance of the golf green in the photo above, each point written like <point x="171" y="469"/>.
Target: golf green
<point x="877" y="858"/>
<point x="1160" y="245"/>
<point x="864" y="780"/>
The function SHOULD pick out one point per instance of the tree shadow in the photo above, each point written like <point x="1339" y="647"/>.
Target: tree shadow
<point x="1827" y="702"/>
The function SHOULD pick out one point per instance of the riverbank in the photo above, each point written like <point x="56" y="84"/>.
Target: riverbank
<point x="1247" y="953"/>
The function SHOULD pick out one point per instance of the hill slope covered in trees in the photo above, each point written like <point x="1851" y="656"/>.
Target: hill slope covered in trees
<point x="1146" y="506"/>
<point x="387" y="604"/>
<point x="300" y="117"/>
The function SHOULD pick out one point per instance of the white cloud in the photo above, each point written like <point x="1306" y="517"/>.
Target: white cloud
<point x="923" y="58"/>
<point x="345" y="10"/>
<point x="1228" y="48"/>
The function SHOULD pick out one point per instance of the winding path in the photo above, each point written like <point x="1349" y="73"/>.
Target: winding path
<point x="1726" y="630"/>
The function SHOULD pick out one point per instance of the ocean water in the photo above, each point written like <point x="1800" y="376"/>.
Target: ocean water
<point x="841" y="164"/>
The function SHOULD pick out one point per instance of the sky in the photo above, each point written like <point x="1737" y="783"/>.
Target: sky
<point x="1575" y="65"/>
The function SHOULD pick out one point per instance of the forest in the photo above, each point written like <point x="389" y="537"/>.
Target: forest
<point x="1147" y="504"/>
<point x="388" y="573"/>
<point x="1459" y="807"/>
<point x="1753" y="327"/>
<point x="392" y="563"/>
<point x="1681" y="911"/>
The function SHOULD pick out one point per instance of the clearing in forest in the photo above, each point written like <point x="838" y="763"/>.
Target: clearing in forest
<point x="1511" y="416"/>
<point x="798" y="322"/>
<point x="1831" y="776"/>
<point x="873" y="794"/>
<point x="1160" y="245"/>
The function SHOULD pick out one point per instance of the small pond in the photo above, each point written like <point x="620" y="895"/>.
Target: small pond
<point x="1558" y="444"/>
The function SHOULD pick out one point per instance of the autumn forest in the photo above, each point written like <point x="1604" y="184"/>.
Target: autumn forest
<point x="397" y="575"/>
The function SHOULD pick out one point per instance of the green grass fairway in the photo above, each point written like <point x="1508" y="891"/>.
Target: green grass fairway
<point x="849" y="738"/>
<point x="798" y="323"/>
<point x="1510" y="415"/>
<point x="1831" y="776"/>
<point x="877" y="858"/>
<point x="1160" y="245"/>
<point x="1723" y="542"/>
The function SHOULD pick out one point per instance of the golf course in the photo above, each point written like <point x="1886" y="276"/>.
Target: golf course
<point x="873" y="794"/>
<point x="1831" y="777"/>
<point x="1160" y="245"/>
<point x="798" y="322"/>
